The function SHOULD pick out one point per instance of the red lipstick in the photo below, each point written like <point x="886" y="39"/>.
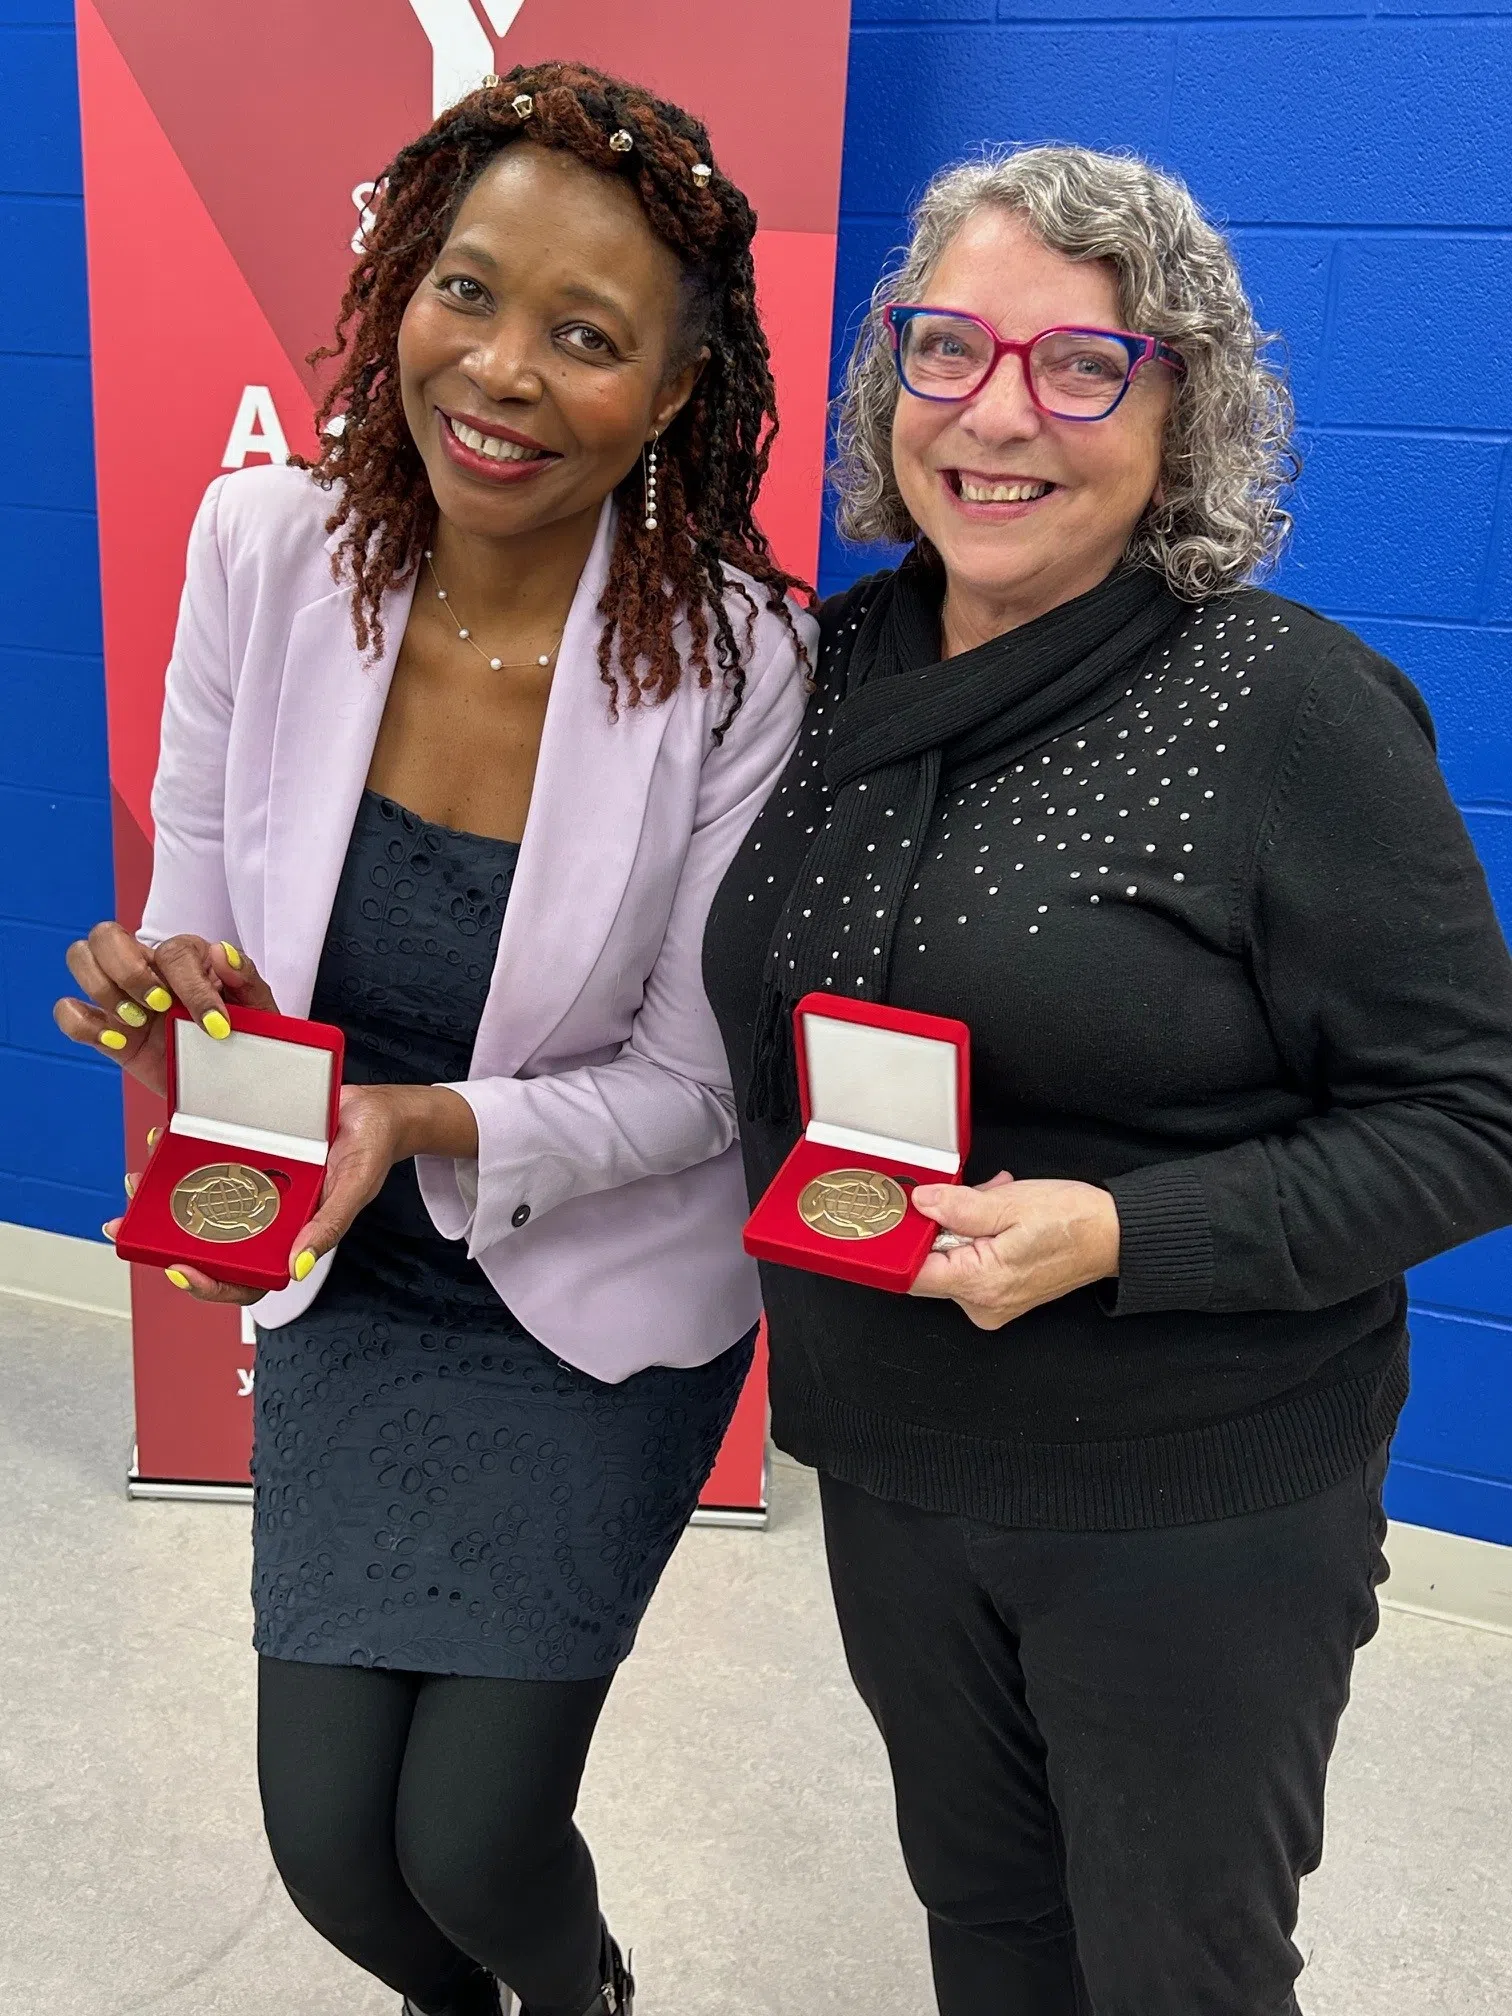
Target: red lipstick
<point x="480" y="462"/>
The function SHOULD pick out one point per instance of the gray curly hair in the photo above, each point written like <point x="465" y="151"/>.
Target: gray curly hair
<point x="1228" y="453"/>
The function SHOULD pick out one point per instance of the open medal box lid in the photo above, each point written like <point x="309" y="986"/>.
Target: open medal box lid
<point x="252" y="1115"/>
<point x="884" y="1092"/>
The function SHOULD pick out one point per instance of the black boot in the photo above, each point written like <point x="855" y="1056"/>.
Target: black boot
<point x="480" y="1995"/>
<point x="617" y="1996"/>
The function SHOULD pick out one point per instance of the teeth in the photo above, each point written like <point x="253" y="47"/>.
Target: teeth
<point x="1002" y="493"/>
<point x="490" y="445"/>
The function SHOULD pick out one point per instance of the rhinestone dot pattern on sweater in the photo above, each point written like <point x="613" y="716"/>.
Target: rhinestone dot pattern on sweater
<point x="1098" y="861"/>
<point x="1088" y="796"/>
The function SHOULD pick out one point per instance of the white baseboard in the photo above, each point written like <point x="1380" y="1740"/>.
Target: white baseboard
<point x="50" y="1267"/>
<point x="1433" y="1574"/>
<point x="1444" y="1575"/>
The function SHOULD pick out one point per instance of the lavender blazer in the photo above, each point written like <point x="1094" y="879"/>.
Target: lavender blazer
<point x="598" y="1077"/>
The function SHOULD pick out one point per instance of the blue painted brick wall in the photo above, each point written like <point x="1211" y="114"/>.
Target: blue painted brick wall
<point x="1357" y="155"/>
<point x="60" y="1115"/>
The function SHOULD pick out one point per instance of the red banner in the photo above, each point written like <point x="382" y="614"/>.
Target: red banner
<point x="228" y="153"/>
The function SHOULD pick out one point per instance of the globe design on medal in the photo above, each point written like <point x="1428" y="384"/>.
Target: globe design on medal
<point x="852" y="1204"/>
<point x="224" y="1202"/>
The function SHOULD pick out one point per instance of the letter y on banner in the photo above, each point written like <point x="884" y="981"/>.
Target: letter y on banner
<point x="462" y="54"/>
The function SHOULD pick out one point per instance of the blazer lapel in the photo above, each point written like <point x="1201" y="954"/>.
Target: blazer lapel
<point x="592" y="780"/>
<point x="330" y="704"/>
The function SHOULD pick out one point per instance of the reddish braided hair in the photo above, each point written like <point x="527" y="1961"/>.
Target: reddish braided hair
<point x="714" y="453"/>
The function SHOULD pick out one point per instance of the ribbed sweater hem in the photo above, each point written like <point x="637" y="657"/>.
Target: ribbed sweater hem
<point x="1300" y="1445"/>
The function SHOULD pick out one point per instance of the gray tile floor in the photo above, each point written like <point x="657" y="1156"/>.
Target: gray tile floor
<point x="737" y="1798"/>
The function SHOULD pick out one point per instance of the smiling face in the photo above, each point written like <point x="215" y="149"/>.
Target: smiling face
<point x="538" y="355"/>
<point x="1025" y="511"/>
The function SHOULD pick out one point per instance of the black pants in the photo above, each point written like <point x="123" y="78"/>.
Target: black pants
<point x="1109" y="1749"/>
<point x="423" y="1824"/>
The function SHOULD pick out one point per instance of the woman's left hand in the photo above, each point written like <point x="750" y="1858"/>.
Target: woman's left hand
<point x="379" y="1126"/>
<point x="1024" y="1244"/>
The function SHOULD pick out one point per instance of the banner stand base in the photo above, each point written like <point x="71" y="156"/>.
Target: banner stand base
<point x="753" y="1517"/>
<point x="138" y="1486"/>
<point x="750" y="1518"/>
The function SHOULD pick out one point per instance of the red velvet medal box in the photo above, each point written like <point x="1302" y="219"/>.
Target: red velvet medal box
<point x="881" y="1089"/>
<point x="264" y="1097"/>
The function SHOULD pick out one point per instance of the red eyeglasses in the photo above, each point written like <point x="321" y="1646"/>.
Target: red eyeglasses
<point x="1072" y="374"/>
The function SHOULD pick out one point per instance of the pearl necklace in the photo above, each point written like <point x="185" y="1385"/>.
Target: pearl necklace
<point x="494" y="664"/>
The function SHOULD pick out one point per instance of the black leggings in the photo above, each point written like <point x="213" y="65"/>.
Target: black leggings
<point x="423" y="1824"/>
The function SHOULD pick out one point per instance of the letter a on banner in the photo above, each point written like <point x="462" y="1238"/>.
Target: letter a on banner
<point x="256" y="430"/>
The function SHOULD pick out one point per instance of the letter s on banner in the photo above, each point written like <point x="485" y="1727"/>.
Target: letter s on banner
<point x="256" y="430"/>
<point x="362" y="198"/>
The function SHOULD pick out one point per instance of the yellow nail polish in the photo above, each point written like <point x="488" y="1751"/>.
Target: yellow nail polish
<point x="216" y="1025"/>
<point x="159" y="1000"/>
<point x="108" y="1234"/>
<point x="131" y="1187"/>
<point x="233" y="957"/>
<point x="304" y="1263"/>
<point x="154" y="1135"/>
<point x="179" y="1280"/>
<point x="112" y="1039"/>
<point x="129" y="1013"/>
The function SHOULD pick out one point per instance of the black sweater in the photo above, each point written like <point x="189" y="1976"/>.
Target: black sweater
<point x="1226" y="951"/>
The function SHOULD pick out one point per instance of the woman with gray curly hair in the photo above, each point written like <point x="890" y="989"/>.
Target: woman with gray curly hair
<point x="1102" y="1497"/>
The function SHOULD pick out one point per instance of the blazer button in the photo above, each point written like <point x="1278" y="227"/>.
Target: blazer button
<point x="521" y="1215"/>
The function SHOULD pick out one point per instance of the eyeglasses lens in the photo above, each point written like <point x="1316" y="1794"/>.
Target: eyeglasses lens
<point x="944" y="356"/>
<point x="1078" y="374"/>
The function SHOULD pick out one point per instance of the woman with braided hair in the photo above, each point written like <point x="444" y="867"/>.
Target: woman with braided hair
<point x="465" y="722"/>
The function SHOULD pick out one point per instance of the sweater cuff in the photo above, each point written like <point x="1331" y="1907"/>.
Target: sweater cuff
<point x="1165" y="1242"/>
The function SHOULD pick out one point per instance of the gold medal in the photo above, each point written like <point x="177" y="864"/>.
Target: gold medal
<point x="224" y="1202"/>
<point x="852" y="1204"/>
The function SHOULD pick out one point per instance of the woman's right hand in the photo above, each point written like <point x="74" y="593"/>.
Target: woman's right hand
<point x="130" y="987"/>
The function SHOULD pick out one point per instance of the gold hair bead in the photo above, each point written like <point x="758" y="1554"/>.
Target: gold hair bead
<point x="523" y="106"/>
<point x="621" y="142"/>
<point x="492" y="82"/>
<point x="702" y="174"/>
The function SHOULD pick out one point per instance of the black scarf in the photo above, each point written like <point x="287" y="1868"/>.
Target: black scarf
<point x="908" y="726"/>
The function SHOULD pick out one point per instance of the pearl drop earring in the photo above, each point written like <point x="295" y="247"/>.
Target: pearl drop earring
<point x="648" y="459"/>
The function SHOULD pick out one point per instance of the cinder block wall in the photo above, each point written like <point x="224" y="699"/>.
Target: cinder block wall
<point x="1359" y="157"/>
<point x="60" y="1118"/>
